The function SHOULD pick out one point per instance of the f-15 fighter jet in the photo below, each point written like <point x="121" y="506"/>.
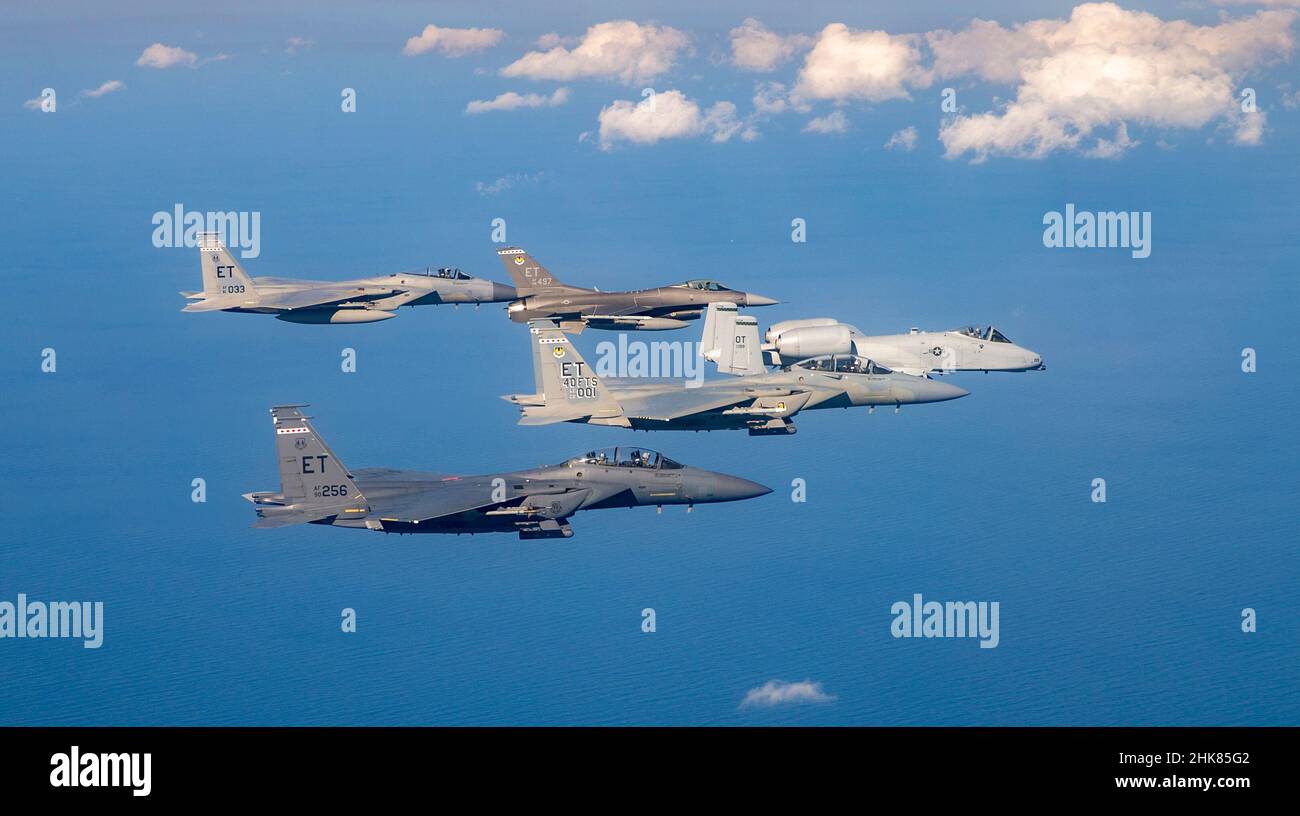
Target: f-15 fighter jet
<point x="228" y="288"/>
<point x="762" y="402"/>
<point x="541" y="295"/>
<point x="316" y="488"/>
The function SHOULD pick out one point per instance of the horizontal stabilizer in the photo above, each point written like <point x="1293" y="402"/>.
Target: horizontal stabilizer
<point x="532" y="420"/>
<point x="288" y="518"/>
<point x="210" y="305"/>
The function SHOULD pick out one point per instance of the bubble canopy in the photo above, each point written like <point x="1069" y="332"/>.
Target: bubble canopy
<point x="706" y="285"/>
<point x="626" y="456"/>
<point x="988" y="333"/>
<point x="844" y="364"/>
<point x="442" y="272"/>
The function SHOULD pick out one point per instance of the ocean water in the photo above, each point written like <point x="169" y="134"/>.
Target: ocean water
<point x="1127" y="612"/>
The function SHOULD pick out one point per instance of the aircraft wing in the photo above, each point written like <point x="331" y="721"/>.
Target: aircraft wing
<point x="612" y="322"/>
<point x="473" y="499"/>
<point x="682" y="402"/>
<point x="450" y="498"/>
<point x="318" y="296"/>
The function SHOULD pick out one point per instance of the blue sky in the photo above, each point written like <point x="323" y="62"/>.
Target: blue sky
<point x="1116" y="613"/>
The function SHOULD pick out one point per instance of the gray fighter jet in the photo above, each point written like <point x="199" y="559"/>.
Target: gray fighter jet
<point x="973" y="348"/>
<point x="570" y="390"/>
<point x="228" y="288"/>
<point x="541" y="295"/>
<point x="316" y="488"/>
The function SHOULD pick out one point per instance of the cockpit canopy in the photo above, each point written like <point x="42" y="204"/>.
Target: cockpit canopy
<point x="625" y="456"/>
<point x="705" y="285"/>
<point x="844" y="364"/>
<point x="442" y="272"/>
<point x="988" y="333"/>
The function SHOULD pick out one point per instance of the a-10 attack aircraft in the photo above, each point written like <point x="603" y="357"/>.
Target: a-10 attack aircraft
<point x="228" y="288"/>
<point x="316" y="488"/>
<point x="974" y="348"/>
<point x="764" y="403"/>
<point x="541" y="295"/>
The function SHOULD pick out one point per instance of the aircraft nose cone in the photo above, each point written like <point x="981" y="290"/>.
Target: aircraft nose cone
<point x="935" y="391"/>
<point x="501" y="292"/>
<point x="721" y="487"/>
<point x="734" y="488"/>
<point x="752" y="299"/>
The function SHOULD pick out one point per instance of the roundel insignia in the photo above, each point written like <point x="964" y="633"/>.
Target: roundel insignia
<point x="519" y="260"/>
<point x="937" y="351"/>
<point x="558" y="351"/>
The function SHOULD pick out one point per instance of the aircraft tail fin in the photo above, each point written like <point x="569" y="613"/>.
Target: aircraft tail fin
<point x="566" y="384"/>
<point x="731" y="341"/>
<point x="314" y="483"/>
<point x="222" y="274"/>
<point x="528" y="275"/>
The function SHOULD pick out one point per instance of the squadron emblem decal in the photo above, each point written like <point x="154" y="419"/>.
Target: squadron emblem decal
<point x="519" y="260"/>
<point x="558" y="351"/>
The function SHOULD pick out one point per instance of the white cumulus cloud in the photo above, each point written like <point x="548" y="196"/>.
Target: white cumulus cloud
<point x="779" y="692"/>
<point x="862" y="65"/>
<point x="452" y="42"/>
<point x="619" y="49"/>
<point x="904" y="140"/>
<point x="833" y="122"/>
<point x="107" y="88"/>
<point x="667" y="115"/>
<point x="507" y="182"/>
<point x="1080" y="83"/>
<point x="510" y="100"/>
<point x="166" y="56"/>
<point x="755" y="48"/>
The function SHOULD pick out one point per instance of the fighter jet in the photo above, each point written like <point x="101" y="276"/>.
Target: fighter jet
<point x="762" y="402"/>
<point x="228" y="288"/>
<point x="973" y="348"/>
<point x="317" y="488"/>
<point x="541" y="295"/>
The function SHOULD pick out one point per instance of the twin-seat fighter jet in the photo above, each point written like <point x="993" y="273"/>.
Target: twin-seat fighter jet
<point x="541" y="295"/>
<point x="228" y="288"/>
<point x="974" y="348"/>
<point x="316" y="488"/>
<point x="762" y="402"/>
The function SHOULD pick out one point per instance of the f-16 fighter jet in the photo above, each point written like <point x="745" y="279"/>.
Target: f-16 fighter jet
<point x="762" y="402"/>
<point x="317" y="488"/>
<point x="541" y="295"/>
<point x="973" y="348"/>
<point x="228" y="288"/>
